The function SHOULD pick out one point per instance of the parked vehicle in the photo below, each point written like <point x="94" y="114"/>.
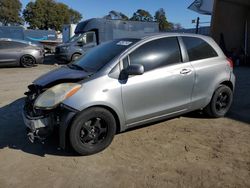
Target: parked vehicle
<point x="20" y="53"/>
<point x="126" y="83"/>
<point x="95" y="31"/>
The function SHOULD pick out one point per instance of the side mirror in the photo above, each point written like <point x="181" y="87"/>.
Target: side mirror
<point x="135" y="69"/>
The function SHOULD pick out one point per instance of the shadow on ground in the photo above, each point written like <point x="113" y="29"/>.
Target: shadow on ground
<point x="13" y="133"/>
<point x="240" y="109"/>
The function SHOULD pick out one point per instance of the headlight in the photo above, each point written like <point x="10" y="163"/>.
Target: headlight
<point x="55" y="95"/>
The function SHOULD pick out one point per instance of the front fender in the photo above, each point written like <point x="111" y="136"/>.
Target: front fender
<point x="102" y="91"/>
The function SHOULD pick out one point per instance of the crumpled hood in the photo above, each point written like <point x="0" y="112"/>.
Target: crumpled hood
<point x="61" y="75"/>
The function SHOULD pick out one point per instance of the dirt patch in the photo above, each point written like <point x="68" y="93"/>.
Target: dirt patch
<point x="190" y="151"/>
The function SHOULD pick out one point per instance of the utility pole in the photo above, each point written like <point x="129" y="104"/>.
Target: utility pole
<point x="197" y="25"/>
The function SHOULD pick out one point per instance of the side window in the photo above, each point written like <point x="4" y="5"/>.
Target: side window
<point x="90" y="37"/>
<point x="1" y="45"/>
<point x="125" y="62"/>
<point x="157" y="53"/>
<point x="11" y="45"/>
<point x="82" y="39"/>
<point x="198" y="49"/>
<point x="6" y="45"/>
<point x="18" y="45"/>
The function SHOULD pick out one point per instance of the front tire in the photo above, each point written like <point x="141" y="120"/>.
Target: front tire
<point x="220" y="102"/>
<point x="92" y="131"/>
<point x="27" y="61"/>
<point x="75" y="57"/>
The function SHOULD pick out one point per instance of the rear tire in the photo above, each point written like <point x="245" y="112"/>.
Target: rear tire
<point x="92" y="131"/>
<point x="27" y="61"/>
<point x="220" y="102"/>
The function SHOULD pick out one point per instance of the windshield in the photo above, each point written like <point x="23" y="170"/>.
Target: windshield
<point x="75" y="38"/>
<point x="99" y="56"/>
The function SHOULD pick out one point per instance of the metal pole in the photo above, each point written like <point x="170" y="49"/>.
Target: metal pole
<point x="197" y="25"/>
<point x="246" y="41"/>
<point x="246" y="36"/>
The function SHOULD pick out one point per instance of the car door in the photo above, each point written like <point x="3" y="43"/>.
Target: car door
<point x="7" y="53"/>
<point x="166" y="86"/>
<point x="208" y="69"/>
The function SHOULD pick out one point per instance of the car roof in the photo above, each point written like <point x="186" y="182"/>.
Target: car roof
<point x="155" y="36"/>
<point x="152" y="36"/>
<point x="169" y="34"/>
<point x="20" y="41"/>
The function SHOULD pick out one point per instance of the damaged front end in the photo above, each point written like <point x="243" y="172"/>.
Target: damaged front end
<point x="44" y="110"/>
<point x="40" y="123"/>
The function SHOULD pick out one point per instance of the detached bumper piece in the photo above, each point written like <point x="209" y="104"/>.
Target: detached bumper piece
<point x="38" y="128"/>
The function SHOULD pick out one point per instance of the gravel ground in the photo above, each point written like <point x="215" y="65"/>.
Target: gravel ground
<point x="188" y="151"/>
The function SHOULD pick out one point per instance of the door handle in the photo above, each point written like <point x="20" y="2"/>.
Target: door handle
<point x="185" y="71"/>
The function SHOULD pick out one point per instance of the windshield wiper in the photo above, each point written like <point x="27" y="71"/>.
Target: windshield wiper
<point x="78" y="67"/>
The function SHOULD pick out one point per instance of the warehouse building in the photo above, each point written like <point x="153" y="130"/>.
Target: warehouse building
<point x="230" y="25"/>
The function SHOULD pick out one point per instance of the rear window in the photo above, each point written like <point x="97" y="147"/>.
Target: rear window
<point x="198" y="49"/>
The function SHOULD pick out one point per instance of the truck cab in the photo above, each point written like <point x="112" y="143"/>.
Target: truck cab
<point x="76" y="46"/>
<point x="95" y="31"/>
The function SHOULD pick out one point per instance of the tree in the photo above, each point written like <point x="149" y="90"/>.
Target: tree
<point x="142" y="15"/>
<point x="160" y="17"/>
<point x="116" y="15"/>
<point x="75" y="16"/>
<point x="48" y="14"/>
<point x="10" y="12"/>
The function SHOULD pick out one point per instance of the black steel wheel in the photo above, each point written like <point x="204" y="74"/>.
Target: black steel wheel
<point x="220" y="103"/>
<point x="92" y="131"/>
<point x="27" y="61"/>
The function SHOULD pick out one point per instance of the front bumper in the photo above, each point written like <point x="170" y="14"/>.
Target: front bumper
<point x="40" y="127"/>
<point x="35" y="123"/>
<point x="37" y="127"/>
<point x="63" y="56"/>
<point x="42" y="123"/>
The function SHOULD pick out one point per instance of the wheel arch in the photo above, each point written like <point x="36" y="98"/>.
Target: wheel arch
<point x="23" y="55"/>
<point x="113" y="112"/>
<point x="228" y="83"/>
<point x="223" y="82"/>
<point x="75" y="53"/>
<point x="64" y="131"/>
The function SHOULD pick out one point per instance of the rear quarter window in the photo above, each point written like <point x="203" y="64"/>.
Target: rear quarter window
<point x="198" y="48"/>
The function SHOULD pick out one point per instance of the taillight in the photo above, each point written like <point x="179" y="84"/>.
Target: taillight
<point x="230" y="62"/>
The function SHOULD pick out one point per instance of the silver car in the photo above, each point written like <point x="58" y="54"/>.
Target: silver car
<point x="20" y="53"/>
<point x="126" y="83"/>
